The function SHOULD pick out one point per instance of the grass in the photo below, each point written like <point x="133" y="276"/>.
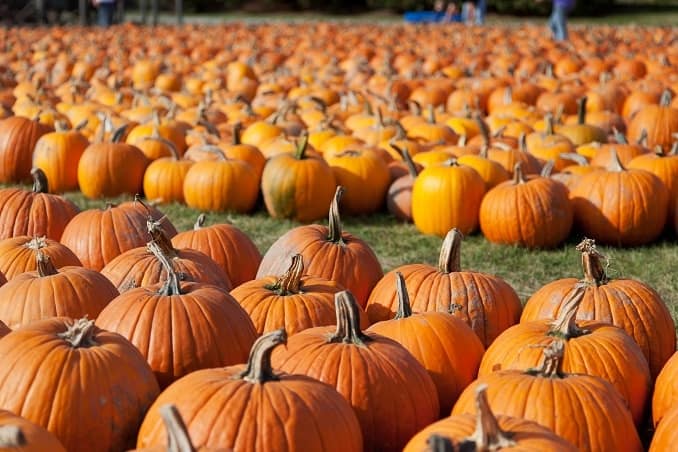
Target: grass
<point x="396" y="244"/>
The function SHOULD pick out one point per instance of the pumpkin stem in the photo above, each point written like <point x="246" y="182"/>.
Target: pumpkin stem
<point x="302" y="144"/>
<point x="79" y="334"/>
<point x="290" y="282"/>
<point x="430" y="114"/>
<point x="407" y="158"/>
<point x="553" y="357"/>
<point x="565" y="325"/>
<point x="674" y="149"/>
<point x="159" y="237"/>
<point x="44" y="264"/>
<point x="404" y="306"/>
<point x="549" y="123"/>
<point x="576" y="158"/>
<point x="518" y="176"/>
<point x="171" y="285"/>
<point x="335" y="220"/>
<point x="547" y="170"/>
<point x="259" y="368"/>
<point x="508" y="95"/>
<point x="522" y="142"/>
<point x="619" y="137"/>
<point x="212" y="149"/>
<point x="119" y="133"/>
<point x="439" y="443"/>
<point x="462" y="140"/>
<point x="348" y="321"/>
<point x="12" y="436"/>
<point x="178" y="439"/>
<point x="200" y="222"/>
<point x="40" y="184"/>
<point x="484" y="130"/>
<point x="642" y="139"/>
<point x="172" y="147"/>
<point x="237" y="129"/>
<point x="665" y="99"/>
<point x="615" y="164"/>
<point x="487" y="435"/>
<point x="591" y="259"/>
<point x="450" y="252"/>
<point x="581" y="110"/>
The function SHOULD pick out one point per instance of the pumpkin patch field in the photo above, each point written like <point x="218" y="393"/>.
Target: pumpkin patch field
<point x="331" y="237"/>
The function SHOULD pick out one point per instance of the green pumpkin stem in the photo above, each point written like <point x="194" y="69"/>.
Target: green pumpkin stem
<point x="439" y="443"/>
<point x="80" y="333"/>
<point x="200" y="222"/>
<point x="178" y="439"/>
<point x="553" y="358"/>
<point x="171" y="286"/>
<point x="302" y="145"/>
<point x="290" y="282"/>
<point x="565" y="325"/>
<point x="334" y="218"/>
<point x="487" y="435"/>
<point x="404" y="306"/>
<point x="348" y="321"/>
<point x="450" y="252"/>
<point x="44" y="264"/>
<point x="518" y="176"/>
<point x="259" y="368"/>
<point x="666" y="98"/>
<point x="11" y="436"/>
<point x="591" y="259"/>
<point x="40" y="184"/>
<point x="581" y="110"/>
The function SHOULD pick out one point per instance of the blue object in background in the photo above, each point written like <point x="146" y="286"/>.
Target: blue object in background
<point x="418" y="17"/>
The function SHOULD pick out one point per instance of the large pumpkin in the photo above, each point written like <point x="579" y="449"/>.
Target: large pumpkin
<point x="485" y="302"/>
<point x="19" y="435"/>
<point x="448" y="349"/>
<point x="665" y="167"/>
<point x="34" y="212"/>
<point x="629" y="304"/>
<point x="390" y="392"/>
<point x="328" y="252"/>
<point x="18" y="136"/>
<point x="253" y="407"/>
<point x="660" y="122"/>
<point x="17" y="255"/>
<point x="665" y="396"/>
<point x="57" y="154"/>
<point x="54" y="368"/>
<point x="207" y="326"/>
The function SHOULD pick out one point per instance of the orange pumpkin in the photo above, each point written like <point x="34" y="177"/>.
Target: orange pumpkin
<point x="20" y="435"/>
<point x="57" y="154"/>
<point x="18" y="136"/>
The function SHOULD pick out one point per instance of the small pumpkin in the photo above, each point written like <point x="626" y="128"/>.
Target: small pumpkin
<point x="17" y="255"/>
<point x="57" y="154"/>
<point x="19" y="435"/>
<point x="18" y="136"/>
<point x="164" y="177"/>
<point x="399" y="194"/>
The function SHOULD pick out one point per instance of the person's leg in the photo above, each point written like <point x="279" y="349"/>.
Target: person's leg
<point x="558" y="27"/>
<point x="465" y="10"/>
<point x="481" y="7"/>
<point x="105" y="14"/>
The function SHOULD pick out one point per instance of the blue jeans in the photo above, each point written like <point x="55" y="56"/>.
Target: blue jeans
<point x="481" y="7"/>
<point x="558" y="22"/>
<point x="105" y="14"/>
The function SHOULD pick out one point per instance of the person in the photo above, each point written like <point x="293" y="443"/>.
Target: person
<point x="473" y="12"/>
<point x="558" y="19"/>
<point x="479" y="11"/>
<point x="105" y="11"/>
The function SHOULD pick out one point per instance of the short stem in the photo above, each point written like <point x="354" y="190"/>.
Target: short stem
<point x="484" y="130"/>
<point x="119" y="133"/>
<point x="581" y="110"/>
<point x="237" y="129"/>
<point x="171" y="285"/>
<point x="549" y="124"/>
<point x="404" y="307"/>
<point x="348" y="321"/>
<point x="565" y="325"/>
<point x="450" y="252"/>
<point x="44" y="264"/>
<point x="334" y="218"/>
<point x="615" y="164"/>
<point x="200" y="222"/>
<point x="553" y="357"/>
<point x="290" y="282"/>
<point x="407" y="158"/>
<point x="439" y="443"/>
<point x="619" y="137"/>
<point x="40" y="184"/>
<point x="594" y="271"/>
<point x="11" y="436"/>
<point x="302" y="144"/>
<point x="547" y="170"/>
<point x="518" y="176"/>
<point x="576" y="158"/>
<point x="488" y="435"/>
<point x="665" y="99"/>
<point x="259" y="368"/>
<point x="80" y="333"/>
<point x="178" y="439"/>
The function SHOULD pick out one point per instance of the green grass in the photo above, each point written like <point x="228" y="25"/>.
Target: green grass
<point x="396" y="243"/>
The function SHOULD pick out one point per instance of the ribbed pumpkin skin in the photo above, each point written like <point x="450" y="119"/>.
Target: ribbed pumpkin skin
<point x="46" y="380"/>
<point x="300" y="189"/>
<point x="666" y="435"/>
<point x="534" y="214"/>
<point x="37" y="438"/>
<point x="628" y="304"/>
<point x="206" y="325"/>
<point x="529" y="436"/>
<point x="228" y="246"/>
<point x="164" y="179"/>
<point x="366" y="178"/>
<point x="626" y="208"/>
<point x="18" y="136"/>
<point x="23" y="212"/>
<point x="230" y="185"/>
<point x="665" y="396"/>
<point x="607" y="352"/>
<point x="586" y="411"/>
<point x="73" y="292"/>
<point x="111" y="169"/>
<point x="292" y="413"/>
<point x="390" y="392"/>
<point x="659" y="121"/>
<point x="447" y="348"/>
<point x="17" y="258"/>
<point x="352" y="263"/>
<point x="666" y="169"/>
<point x="57" y="154"/>
<point x="446" y="197"/>
<point x="138" y="267"/>
<point x="485" y="302"/>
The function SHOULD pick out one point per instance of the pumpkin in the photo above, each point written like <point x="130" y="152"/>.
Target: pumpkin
<point x="485" y="302"/>
<point x="445" y="197"/>
<point x="56" y="367"/>
<point x="665" y="436"/>
<point x="581" y="132"/>
<point x="485" y="431"/>
<point x="18" y="136"/>
<point x="57" y="154"/>
<point x="297" y="186"/>
<point x="591" y="348"/>
<point x="164" y="177"/>
<point x="328" y="252"/>
<point x="448" y="349"/>
<point x="155" y="129"/>
<point x="206" y="400"/>
<point x="660" y="122"/>
<point x="111" y="169"/>
<point x="207" y="326"/>
<point x="665" y="167"/>
<point x="399" y="194"/>
<point x="613" y="206"/>
<point x="584" y="410"/>
<point x="491" y="171"/>
<point x="629" y="304"/>
<point x="534" y="212"/>
<point x="19" y="435"/>
<point x="548" y="145"/>
<point x="665" y="394"/>
<point x="34" y="212"/>
<point x="227" y="245"/>
<point x="391" y="393"/>
<point x="17" y="255"/>
<point x="47" y="292"/>
<point x="245" y="152"/>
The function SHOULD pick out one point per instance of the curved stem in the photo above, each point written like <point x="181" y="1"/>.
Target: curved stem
<point x="619" y="137"/>
<point x="581" y="110"/>
<point x="549" y="124"/>
<point x="44" y="264"/>
<point x="178" y="439"/>
<point x="348" y="321"/>
<point x="487" y="435"/>
<point x="450" y="252"/>
<point x="615" y="164"/>
<point x="674" y="149"/>
<point x="200" y="222"/>
<point x="237" y="129"/>
<point x="172" y="147"/>
<point x="159" y="237"/>
<point x="565" y="325"/>
<point x="335" y="220"/>
<point x="259" y="368"/>
<point x="594" y="271"/>
<point x="439" y="443"/>
<point x="40" y="184"/>
<point x="119" y="133"/>
<point x="407" y="158"/>
<point x="518" y="176"/>
<point x="665" y="99"/>
<point x="550" y="365"/>
<point x="484" y="130"/>
<point x="302" y="144"/>
<point x="80" y="333"/>
<point x="171" y="285"/>
<point x="576" y="158"/>
<point x="12" y="436"/>
<point x="290" y="282"/>
<point x="546" y="171"/>
<point x="404" y="306"/>
<point x="212" y="149"/>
